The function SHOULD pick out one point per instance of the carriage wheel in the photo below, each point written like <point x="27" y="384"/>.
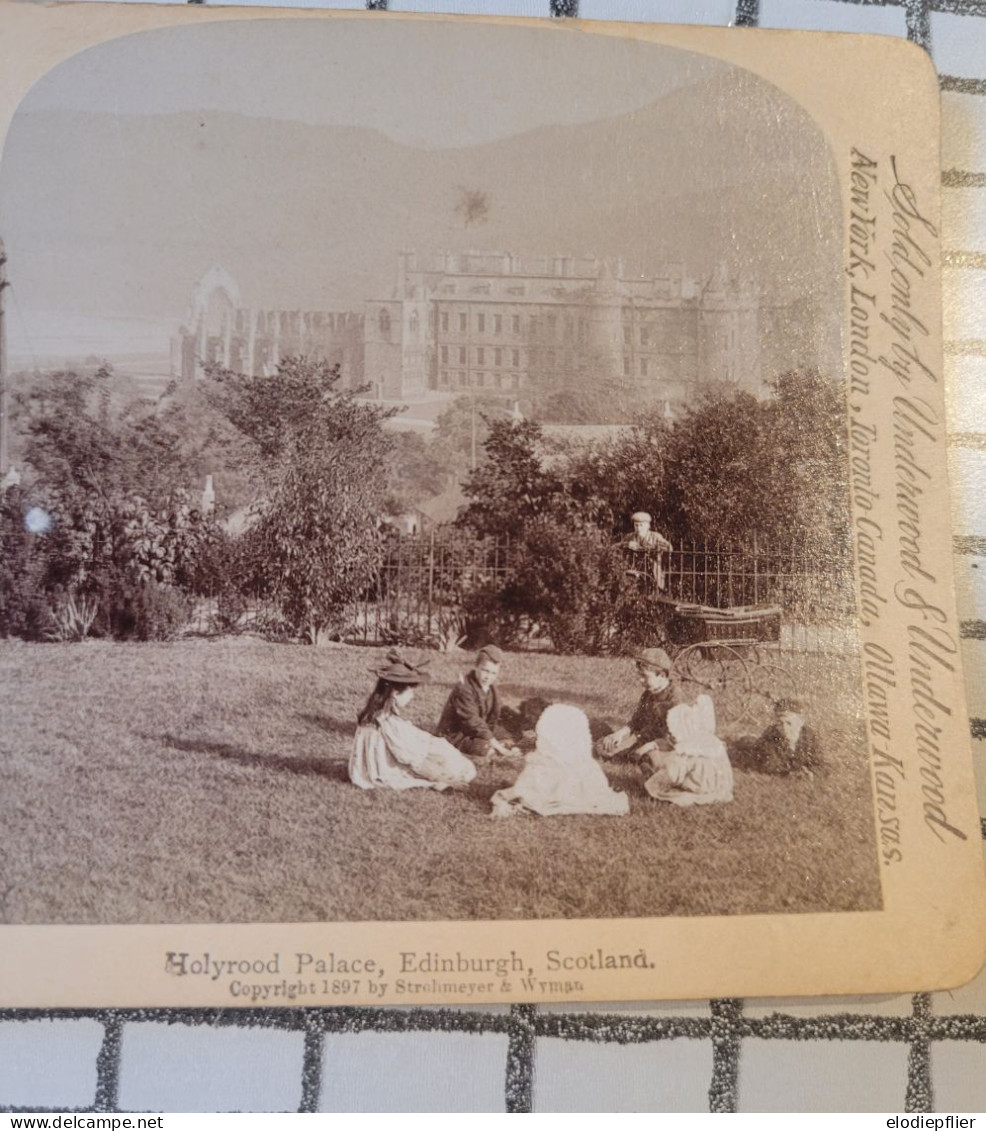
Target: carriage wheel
<point x="769" y="682"/>
<point x="719" y="671"/>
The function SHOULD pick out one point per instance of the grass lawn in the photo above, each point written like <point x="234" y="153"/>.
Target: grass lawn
<point x="206" y="780"/>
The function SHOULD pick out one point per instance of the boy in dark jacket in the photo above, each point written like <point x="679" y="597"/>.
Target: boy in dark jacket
<point x="787" y="746"/>
<point x="472" y="711"/>
<point x="647" y="730"/>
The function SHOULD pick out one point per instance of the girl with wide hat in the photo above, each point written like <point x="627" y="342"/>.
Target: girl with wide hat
<point x="389" y="751"/>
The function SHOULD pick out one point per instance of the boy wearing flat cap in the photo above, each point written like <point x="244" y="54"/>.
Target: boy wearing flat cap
<point x="472" y="710"/>
<point x="643" y="537"/>
<point x="644" y="540"/>
<point x="647" y="729"/>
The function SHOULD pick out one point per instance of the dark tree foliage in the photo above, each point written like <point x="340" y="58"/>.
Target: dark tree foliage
<point x="732" y="466"/>
<point x="733" y="469"/>
<point x="321" y="461"/>
<point x="777" y="467"/>
<point x="626" y="474"/>
<point x="571" y="580"/>
<point x="78" y="438"/>
<point x="210" y="444"/>
<point x="463" y="427"/>
<point x="117" y="545"/>
<point x="514" y="485"/>
<point x="416" y="472"/>
<point x="23" y="569"/>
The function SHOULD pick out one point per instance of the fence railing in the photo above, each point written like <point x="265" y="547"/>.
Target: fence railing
<point x="422" y="583"/>
<point x="425" y="579"/>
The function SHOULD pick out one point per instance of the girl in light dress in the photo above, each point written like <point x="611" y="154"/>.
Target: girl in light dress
<point x="697" y="770"/>
<point x="389" y="751"/>
<point x="559" y="776"/>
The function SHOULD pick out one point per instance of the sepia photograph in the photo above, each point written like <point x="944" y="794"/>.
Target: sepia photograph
<point x="431" y="499"/>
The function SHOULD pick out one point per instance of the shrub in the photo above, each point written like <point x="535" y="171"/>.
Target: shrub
<point x="488" y="616"/>
<point x="320" y="457"/>
<point x="71" y="617"/>
<point x="569" y="581"/>
<point x="149" y="611"/>
<point x="24" y="609"/>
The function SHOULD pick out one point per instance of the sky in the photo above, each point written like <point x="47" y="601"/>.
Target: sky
<point x="109" y="223"/>
<point x="444" y="84"/>
<point x="429" y="85"/>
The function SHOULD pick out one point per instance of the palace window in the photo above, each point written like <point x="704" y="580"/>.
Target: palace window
<point x="444" y="355"/>
<point x="444" y="322"/>
<point x="498" y="357"/>
<point x="384" y="322"/>
<point x="462" y="355"/>
<point x="497" y="323"/>
<point x="481" y="323"/>
<point x="480" y="356"/>
<point x="515" y="358"/>
<point x="515" y="323"/>
<point x="463" y="323"/>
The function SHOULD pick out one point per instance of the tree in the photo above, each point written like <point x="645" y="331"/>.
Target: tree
<point x="320" y="458"/>
<point x="512" y="487"/>
<point x="461" y="429"/>
<point x="119" y="536"/>
<point x="624" y="474"/>
<point x="777" y="466"/>
<point x="80" y="435"/>
<point x="210" y="444"/>
<point x="731" y="466"/>
<point x="570" y="579"/>
<point x="416" y="472"/>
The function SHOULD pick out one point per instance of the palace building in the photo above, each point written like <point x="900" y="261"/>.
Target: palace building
<point x="491" y="321"/>
<point x="219" y="330"/>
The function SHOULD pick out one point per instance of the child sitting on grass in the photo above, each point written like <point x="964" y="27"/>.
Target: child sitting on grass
<point x="389" y="751"/>
<point x="472" y="711"/>
<point x="787" y="746"/>
<point x="559" y="776"/>
<point x="696" y="771"/>
<point x="647" y="729"/>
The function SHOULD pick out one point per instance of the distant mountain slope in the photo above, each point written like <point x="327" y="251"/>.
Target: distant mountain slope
<point x="107" y="213"/>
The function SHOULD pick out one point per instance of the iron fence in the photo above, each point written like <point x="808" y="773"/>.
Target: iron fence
<point x="422" y="585"/>
<point x="425" y="581"/>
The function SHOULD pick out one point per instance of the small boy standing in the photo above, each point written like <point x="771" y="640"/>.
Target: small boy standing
<point x="472" y="710"/>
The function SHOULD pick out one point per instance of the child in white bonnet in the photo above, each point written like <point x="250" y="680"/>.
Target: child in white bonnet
<point x="697" y="770"/>
<point x="560" y="775"/>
